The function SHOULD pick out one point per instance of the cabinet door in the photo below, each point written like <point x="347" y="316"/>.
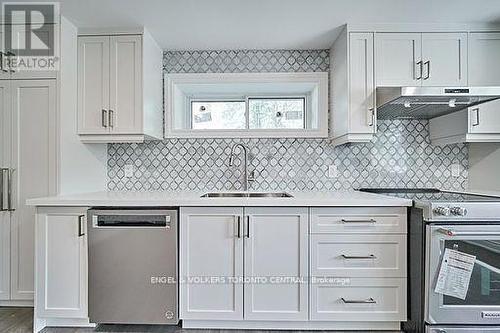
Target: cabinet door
<point x="93" y="85"/>
<point x="61" y="262"/>
<point x="211" y="248"/>
<point x="5" y="112"/>
<point x="397" y="59"/>
<point x="276" y="250"/>
<point x="444" y="57"/>
<point x="362" y="89"/>
<point x="33" y="172"/>
<point x="125" y="85"/>
<point x="484" y="51"/>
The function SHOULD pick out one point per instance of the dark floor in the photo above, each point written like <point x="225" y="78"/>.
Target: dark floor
<point x="20" y="320"/>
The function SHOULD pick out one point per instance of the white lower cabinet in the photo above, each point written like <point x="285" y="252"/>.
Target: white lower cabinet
<point x="211" y="263"/>
<point x="276" y="249"/>
<point x="236" y="263"/>
<point x="61" y="263"/>
<point x="359" y="299"/>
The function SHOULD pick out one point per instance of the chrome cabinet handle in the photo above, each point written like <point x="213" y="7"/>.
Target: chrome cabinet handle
<point x="428" y="65"/>
<point x="420" y="64"/>
<point x="104" y="118"/>
<point x="2" y="189"/>
<point x="476" y="118"/>
<point x="248" y="227"/>
<point x="111" y="121"/>
<point x="10" y="172"/>
<point x="238" y="218"/>
<point x="2" y="62"/>
<point x="370" y="256"/>
<point x="9" y="54"/>
<point x="80" y="225"/>
<point x="371" y="116"/>
<point x="358" y="221"/>
<point x="360" y="301"/>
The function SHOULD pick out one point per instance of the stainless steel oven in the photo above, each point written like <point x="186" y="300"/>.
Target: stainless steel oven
<point x="482" y="303"/>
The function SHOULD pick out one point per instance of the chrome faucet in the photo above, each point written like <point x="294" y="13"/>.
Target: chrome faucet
<point x="247" y="177"/>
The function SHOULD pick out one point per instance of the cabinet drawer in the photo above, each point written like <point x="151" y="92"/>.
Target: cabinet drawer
<point x="358" y="255"/>
<point x="360" y="300"/>
<point x="359" y="220"/>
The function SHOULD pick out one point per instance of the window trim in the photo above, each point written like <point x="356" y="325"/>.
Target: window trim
<point x="177" y="93"/>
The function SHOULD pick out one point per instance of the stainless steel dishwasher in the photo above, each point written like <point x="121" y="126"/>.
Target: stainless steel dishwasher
<point x="133" y="266"/>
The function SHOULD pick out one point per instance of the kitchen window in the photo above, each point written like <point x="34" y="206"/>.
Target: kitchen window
<point x="249" y="113"/>
<point x="251" y="105"/>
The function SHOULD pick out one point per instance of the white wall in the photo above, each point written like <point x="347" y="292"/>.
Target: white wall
<point x="82" y="167"/>
<point x="484" y="166"/>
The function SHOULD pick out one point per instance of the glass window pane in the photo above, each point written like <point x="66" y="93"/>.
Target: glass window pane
<point x="276" y="112"/>
<point x="218" y="114"/>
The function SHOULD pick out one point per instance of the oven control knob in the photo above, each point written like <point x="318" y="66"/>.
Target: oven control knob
<point x="445" y="211"/>
<point x="458" y="211"/>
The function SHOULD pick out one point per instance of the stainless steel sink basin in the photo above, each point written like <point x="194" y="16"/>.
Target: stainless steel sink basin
<point x="247" y="195"/>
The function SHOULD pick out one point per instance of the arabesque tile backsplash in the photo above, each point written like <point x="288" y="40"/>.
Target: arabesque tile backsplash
<point x="400" y="155"/>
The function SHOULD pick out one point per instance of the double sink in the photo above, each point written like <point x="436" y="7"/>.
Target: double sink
<point x="247" y="195"/>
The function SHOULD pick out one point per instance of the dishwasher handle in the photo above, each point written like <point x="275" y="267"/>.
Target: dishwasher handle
<point x="132" y="219"/>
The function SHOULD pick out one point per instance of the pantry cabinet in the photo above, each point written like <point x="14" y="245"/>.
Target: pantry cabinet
<point x="28" y="161"/>
<point x="245" y="245"/>
<point x="480" y="123"/>
<point x="119" y="88"/>
<point x="61" y="262"/>
<point x="421" y="59"/>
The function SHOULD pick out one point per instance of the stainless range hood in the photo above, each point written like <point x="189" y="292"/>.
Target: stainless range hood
<point x="429" y="102"/>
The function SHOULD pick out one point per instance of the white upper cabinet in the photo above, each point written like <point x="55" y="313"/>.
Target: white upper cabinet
<point x="93" y="84"/>
<point x="480" y="123"/>
<point x="352" y="88"/>
<point x="484" y="53"/>
<point x="119" y="88"/>
<point x="421" y="59"/>
<point x="397" y="59"/>
<point x="444" y="57"/>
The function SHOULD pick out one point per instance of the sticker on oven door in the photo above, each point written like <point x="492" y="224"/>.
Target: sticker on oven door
<point x="454" y="275"/>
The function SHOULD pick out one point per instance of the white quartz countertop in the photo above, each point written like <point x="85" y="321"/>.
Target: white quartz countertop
<point x="192" y="198"/>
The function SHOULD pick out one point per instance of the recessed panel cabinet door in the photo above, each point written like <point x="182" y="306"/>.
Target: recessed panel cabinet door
<point x="5" y="112"/>
<point x="33" y="172"/>
<point x="125" y="85"/>
<point x="276" y="263"/>
<point x="61" y="262"/>
<point x="484" y="51"/>
<point x="397" y="59"/>
<point x="362" y="90"/>
<point x="93" y="85"/>
<point x="444" y="57"/>
<point x="211" y="252"/>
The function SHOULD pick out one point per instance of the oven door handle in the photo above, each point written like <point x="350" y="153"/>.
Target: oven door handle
<point x="453" y="233"/>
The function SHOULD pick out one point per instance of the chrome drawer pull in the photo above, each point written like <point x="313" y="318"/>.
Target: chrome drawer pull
<point x="358" y="221"/>
<point x="358" y="301"/>
<point x="371" y="256"/>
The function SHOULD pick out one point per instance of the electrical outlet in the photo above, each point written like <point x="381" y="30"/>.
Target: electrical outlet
<point x="332" y="171"/>
<point x="455" y="170"/>
<point x="129" y="170"/>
